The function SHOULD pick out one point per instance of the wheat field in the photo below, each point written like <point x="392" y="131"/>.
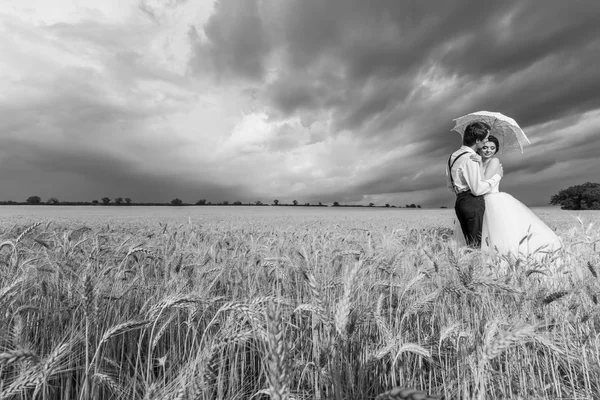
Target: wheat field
<point x="352" y="307"/>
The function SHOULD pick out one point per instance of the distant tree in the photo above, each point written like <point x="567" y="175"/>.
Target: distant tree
<point x="578" y="197"/>
<point x="407" y="206"/>
<point x="320" y="204"/>
<point x="176" y="202"/>
<point x="118" y="200"/>
<point x="237" y="203"/>
<point x="336" y="204"/>
<point x="371" y="204"/>
<point x="307" y="204"/>
<point x="295" y="202"/>
<point x="387" y="205"/>
<point x="201" y="202"/>
<point x="393" y="206"/>
<point x="34" y="200"/>
<point x="276" y="202"/>
<point x="94" y="202"/>
<point x="225" y="202"/>
<point x="105" y="200"/>
<point x="418" y="206"/>
<point x="52" y="200"/>
<point x="127" y="200"/>
<point x="443" y="207"/>
<point x="258" y="203"/>
<point x="413" y="206"/>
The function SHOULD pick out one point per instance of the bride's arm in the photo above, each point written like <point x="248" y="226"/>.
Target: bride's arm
<point x="492" y="168"/>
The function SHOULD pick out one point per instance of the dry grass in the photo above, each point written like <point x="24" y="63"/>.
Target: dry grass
<point x="302" y="310"/>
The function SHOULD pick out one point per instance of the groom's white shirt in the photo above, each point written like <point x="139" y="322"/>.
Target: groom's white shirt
<point x="467" y="174"/>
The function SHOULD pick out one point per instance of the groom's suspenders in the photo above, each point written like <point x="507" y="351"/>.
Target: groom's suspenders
<point x="450" y="169"/>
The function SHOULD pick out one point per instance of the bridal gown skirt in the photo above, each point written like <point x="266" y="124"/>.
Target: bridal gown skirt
<point x="510" y="227"/>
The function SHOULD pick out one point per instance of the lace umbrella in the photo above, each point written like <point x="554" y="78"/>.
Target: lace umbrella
<point x="506" y="129"/>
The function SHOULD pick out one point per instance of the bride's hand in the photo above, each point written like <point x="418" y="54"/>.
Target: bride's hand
<point x="476" y="158"/>
<point x="500" y="170"/>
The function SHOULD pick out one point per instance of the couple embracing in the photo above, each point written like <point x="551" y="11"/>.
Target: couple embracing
<point x="488" y="218"/>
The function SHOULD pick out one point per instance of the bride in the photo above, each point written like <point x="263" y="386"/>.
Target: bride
<point x="509" y="226"/>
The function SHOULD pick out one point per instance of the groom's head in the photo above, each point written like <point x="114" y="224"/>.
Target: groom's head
<point x="476" y="132"/>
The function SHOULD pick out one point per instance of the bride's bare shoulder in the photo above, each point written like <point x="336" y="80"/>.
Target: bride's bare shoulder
<point x="493" y="162"/>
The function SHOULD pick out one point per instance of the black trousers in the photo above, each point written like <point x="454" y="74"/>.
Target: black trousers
<point x="469" y="211"/>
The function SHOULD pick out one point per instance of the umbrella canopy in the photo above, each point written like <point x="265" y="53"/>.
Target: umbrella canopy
<point x="506" y="129"/>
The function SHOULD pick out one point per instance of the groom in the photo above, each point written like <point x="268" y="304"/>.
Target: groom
<point x="463" y="176"/>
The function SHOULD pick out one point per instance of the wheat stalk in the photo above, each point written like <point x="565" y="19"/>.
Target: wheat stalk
<point x="381" y="324"/>
<point x="7" y="292"/>
<point x="7" y="243"/>
<point x="161" y="331"/>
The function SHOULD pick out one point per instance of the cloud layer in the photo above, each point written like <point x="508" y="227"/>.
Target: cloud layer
<point x="343" y="100"/>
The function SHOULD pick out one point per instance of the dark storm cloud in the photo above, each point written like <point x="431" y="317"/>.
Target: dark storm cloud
<point x="386" y="38"/>
<point x="373" y="45"/>
<point x="236" y="40"/>
<point x="362" y="63"/>
<point x="88" y="174"/>
<point x="530" y="32"/>
<point x="568" y="147"/>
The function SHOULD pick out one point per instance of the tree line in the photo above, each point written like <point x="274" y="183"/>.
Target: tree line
<point x="578" y="197"/>
<point x="126" y="201"/>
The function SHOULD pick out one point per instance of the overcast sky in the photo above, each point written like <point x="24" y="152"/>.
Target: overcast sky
<point x="337" y="100"/>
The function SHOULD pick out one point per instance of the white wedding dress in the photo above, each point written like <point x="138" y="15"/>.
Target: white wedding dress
<point x="510" y="227"/>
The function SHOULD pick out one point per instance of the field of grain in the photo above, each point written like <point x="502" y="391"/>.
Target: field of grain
<point x="326" y="304"/>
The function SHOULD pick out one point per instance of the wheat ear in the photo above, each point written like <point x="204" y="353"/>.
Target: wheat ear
<point x="31" y="378"/>
<point x="343" y="308"/>
<point x="503" y="342"/>
<point x="18" y="355"/>
<point x="554" y="296"/>
<point x="109" y="382"/>
<point x="276" y="353"/>
<point x="27" y="231"/>
<point x="317" y="297"/>
<point x="400" y="393"/>
<point x="592" y="269"/>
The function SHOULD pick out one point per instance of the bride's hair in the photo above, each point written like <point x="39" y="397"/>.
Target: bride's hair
<point x="494" y="140"/>
<point x="474" y="132"/>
